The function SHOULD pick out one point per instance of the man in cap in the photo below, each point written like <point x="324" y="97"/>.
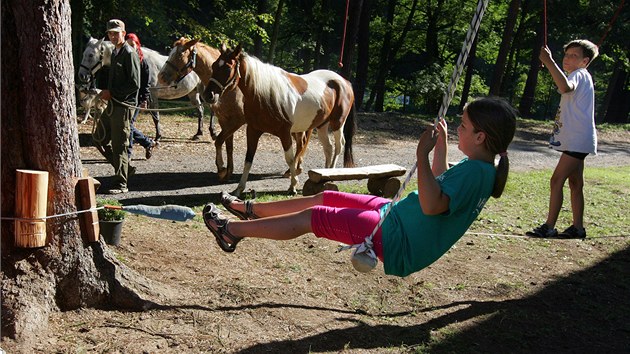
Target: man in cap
<point x="122" y="90"/>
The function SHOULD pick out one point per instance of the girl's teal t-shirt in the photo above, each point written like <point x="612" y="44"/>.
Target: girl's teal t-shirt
<point x="413" y="240"/>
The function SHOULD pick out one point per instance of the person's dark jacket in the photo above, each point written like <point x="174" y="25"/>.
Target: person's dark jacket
<point x="124" y="75"/>
<point x="144" y="93"/>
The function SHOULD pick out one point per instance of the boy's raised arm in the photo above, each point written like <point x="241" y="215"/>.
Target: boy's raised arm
<point x="558" y="76"/>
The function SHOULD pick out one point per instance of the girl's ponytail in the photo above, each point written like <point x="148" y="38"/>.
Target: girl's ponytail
<point x="497" y="118"/>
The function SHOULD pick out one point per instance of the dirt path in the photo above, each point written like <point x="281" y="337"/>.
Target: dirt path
<point x="184" y="167"/>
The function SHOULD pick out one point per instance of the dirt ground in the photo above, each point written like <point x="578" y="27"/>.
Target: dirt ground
<point x="488" y="294"/>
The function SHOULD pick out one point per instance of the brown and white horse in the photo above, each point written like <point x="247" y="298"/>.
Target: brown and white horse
<point x="193" y="55"/>
<point x="282" y="103"/>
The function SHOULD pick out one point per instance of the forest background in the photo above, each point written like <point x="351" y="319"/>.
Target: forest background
<point x="399" y="54"/>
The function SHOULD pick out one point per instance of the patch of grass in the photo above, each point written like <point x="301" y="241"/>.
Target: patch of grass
<point x="524" y="203"/>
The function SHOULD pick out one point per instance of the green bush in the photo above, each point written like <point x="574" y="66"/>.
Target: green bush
<point x="109" y="214"/>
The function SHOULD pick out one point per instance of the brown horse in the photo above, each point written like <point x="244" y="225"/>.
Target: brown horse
<point x="281" y="103"/>
<point x="189" y="55"/>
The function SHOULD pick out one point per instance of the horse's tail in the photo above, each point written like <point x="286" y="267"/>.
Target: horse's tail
<point x="349" y="129"/>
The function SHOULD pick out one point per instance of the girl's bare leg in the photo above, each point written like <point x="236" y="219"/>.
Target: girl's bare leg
<point x="281" y="207"/>
<point x="281" y="227"/>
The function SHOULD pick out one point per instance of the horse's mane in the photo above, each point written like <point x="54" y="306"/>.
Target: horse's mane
<point x="214" y="52"/>
<point x="269" y="82"/>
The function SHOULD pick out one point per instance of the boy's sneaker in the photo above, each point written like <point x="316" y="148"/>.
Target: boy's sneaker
<point x="573" y="232"/>
<point x="542" y="231"/>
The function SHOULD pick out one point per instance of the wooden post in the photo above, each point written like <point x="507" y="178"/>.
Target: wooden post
<point x="31" y="200"/>
<point x="87" y="200"/>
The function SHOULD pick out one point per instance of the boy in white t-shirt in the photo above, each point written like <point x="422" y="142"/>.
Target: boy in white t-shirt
<point x="574" y="134"/>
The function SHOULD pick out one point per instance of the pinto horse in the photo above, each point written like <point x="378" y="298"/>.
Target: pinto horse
<point x="97" y="55"/>
<point x="192" y="55"/>
<point x="282" y="103"/>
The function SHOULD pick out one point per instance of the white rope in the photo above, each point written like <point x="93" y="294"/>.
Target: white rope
<point x="157" y="109"/>
<point x="54" y="216"/>
<point x="363" y="257"/>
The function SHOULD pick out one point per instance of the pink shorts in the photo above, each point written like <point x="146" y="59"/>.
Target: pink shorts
<point x="349" y="218"/>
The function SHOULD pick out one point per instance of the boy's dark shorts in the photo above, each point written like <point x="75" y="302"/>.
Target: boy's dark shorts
<point x="577" y="155"/>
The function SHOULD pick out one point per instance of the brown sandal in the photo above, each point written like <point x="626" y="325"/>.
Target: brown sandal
<point x="210" y="212"/>
<point x="227" y="200"/>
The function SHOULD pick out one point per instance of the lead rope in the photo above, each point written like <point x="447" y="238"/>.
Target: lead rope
<point x="156" y="109"/>
<point x="363" y="257"/>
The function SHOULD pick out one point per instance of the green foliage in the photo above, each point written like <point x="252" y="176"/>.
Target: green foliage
<point x="310" y="36"/>
<point x="109" y="214"/>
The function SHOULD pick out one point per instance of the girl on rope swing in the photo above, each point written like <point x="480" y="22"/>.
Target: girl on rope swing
<point x="422" y="226"/>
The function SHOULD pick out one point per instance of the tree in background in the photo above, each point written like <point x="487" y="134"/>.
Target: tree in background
<point x="304" y="35"/>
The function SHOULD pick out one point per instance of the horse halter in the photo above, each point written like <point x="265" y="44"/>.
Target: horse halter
<point x="192" y="63"/>
<point x="231" y="81"/>
<point x="96" y="67"/>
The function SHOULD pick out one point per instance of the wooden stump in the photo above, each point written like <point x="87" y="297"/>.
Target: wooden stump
<point x="31" y="201"/>
<point x="87" y="197"/>
<point x="384" y="187"/>
<point x="312" y="188"/>
<point x="391" y="187"/>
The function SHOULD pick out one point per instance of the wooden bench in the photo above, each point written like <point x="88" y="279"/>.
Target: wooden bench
<point x="382" y="179"/>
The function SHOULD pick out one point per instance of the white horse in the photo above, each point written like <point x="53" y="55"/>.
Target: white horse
<point x="90" y="98"/>
<point x="97" y="55"/>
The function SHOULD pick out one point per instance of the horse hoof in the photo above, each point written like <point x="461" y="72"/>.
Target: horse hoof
<point x="287" y="173"/>
<point x="196" y="137"/>
<point x="292" y="191"/>
<point x="223" y="174"/>
<point x="157" y="137"/>
<point x="213" y="136"/>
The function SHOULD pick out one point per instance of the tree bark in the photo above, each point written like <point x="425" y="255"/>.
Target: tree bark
<point x="39" y="132"/>
<point x="274" y="35"/>
<point x="391" y="53"/>
<point x="261" y="8"/>
<point x="529" y="91"/>
<point x="379" y="84"/>
<point x="470" y="69"/>
<point x="354" y="19"/>
<point x="508" y="34"/>
<point x="616" y="106"/>
<point x="363" y="57"/>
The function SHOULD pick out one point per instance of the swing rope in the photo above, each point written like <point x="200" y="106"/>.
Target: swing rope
<point x="608" y="27"/>
<point x="610" y="24"/>
<point x="363" y="257"/>
<point x="545" y="22"/>
<point x="343" y="40"/>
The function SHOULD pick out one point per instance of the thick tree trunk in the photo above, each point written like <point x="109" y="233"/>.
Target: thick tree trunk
<point x="363" y="58"/>
<point x="274" y="36"/>
<point x="39" y="132"/>
<point x="508" y="34"/>
<point x="354" y="19"/>
<point x="378" y="91"/>
<point x="470" y="68"/>
<point x="261" y="8"/>
<point x="390" y="55"/>
<point x="527" y="100"/>
<point x="616" y="106"/>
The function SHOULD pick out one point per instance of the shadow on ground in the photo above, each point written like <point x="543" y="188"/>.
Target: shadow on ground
<point x="584" y="312"/>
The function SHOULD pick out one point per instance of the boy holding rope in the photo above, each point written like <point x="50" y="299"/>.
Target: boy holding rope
<point x="422" y="226"/>
<point x="574" y="134"/>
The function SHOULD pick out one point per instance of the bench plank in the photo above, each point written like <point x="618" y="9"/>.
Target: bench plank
<point x="344" y="174"/>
